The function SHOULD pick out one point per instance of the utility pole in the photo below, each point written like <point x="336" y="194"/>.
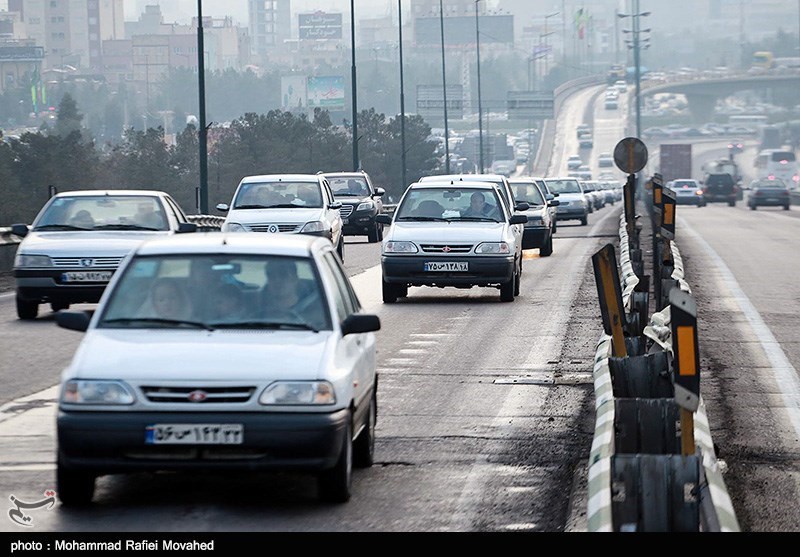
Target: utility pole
<point x="354" y="84"/>
<point x="402" y="98"/>
<point x="444" y="94"/>
<point x="636" y="63"/>
<point x="480" y="110"/>
<point x="203" y="137"/>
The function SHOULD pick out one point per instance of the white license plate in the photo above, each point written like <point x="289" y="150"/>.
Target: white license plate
<point x="772" y="199"/>
<point x="345" y="221"/>
<point x="450" y="266"/>
<point x="87" y="276"/>
<point x="194" y="434"/>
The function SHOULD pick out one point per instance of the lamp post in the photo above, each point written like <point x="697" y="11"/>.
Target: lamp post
<point x="480" y="110"/>
<point x="546" y="34"/>
<point x="636" y="45"/>
<point x="203" y="131"/>
<point x="444" y="94"/>
<point x="353" y="84"/>
<point x="402" y="98"/>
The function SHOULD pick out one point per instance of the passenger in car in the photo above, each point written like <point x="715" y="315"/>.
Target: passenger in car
<point x="283" y="299"/>
<point x="429" y="208"/>
<point x="169" y="301"/>
<point x="82" y="219"/>
<point x="147" y="216"/>
<point x="227" y="304"/>
<point x="479" y="208"/>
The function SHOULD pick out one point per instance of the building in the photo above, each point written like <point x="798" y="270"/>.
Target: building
<point x="270" y="27"/>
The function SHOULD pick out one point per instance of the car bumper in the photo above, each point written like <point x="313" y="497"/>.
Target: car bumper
<point x="114" y="442"/>
<point x="568" y="213"/>
<point x="770" y="202"/>
<point x="359" y="222"/>
<point x="689" y="200"/>
<point x="49" y="286"/>
<point x="483" y="271"/>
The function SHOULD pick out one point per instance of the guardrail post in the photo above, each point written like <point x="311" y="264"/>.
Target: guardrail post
<point x="609" y="293"/>
<point x="683" y="321"/>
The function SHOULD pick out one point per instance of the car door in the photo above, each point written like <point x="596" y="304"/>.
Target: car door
<point x="333" y="216"/>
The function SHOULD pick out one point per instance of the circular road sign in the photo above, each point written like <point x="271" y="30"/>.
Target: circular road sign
<point x="630" y="155"/>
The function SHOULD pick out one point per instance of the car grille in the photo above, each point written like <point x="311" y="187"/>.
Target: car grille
<point x="213" y="395"/>
<point x="107" y="262"/>
<point x="346" y="211"/>
<point x="291" y="227"/>
<point x="446" y="248"/>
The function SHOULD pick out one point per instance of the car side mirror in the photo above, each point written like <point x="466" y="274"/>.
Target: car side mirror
<point x="186" y="227"/>
<point x="383" y="219"/>
<point x="379" y="192"/>
<point x="73" y="320"/>
<point x="336" y="205"/>
<point x="223" y="207"/>
<point x="554" y="203"/>
<point x="360" y="323"/>
<point x="20" y="230"/>
<point x="522" y="206"/>
<point x="518" y="219"/>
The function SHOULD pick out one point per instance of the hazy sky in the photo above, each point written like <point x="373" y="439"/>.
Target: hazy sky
<point x="183" y="10"/>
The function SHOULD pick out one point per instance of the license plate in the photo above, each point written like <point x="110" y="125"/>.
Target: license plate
<point x="194" y="434"/>
<point x="87" y="276"/>
<point x="773" y="199"/>
<point x="345" y="221"/>
<point x="452" y="266"/>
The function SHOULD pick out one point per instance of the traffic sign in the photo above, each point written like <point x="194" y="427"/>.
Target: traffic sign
<point x="630" y="155"/>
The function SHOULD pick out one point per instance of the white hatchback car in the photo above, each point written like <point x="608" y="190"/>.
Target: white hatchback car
<point x="221" y="352"/>
<point x="293" y="203"/>
<point x="455" y="233"/>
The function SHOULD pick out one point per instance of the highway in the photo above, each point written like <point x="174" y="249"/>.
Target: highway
<point x="486" y="410"/>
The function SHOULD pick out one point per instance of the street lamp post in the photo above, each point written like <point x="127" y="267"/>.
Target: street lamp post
<point x="402" y="98"/>
<point x="444" y="94"/>
<point x="203" y="131"/>
<point x="636" y="45"/>
<point x="546" y="34"/>
<point x="353" y="84"/>
<point x="480" y="110"/>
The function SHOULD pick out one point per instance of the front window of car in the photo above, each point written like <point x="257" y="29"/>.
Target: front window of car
<point x="218" y="292"/>
<point x="450" y="203"/>
<point x="278" y="195"/>
<point x="528" y="193"/>
<point x="103" y="212"/>
<point x="348" y="186"/>
<point x="564" y="186"/>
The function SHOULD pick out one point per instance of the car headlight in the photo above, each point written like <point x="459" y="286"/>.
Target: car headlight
<point x="399" y="247"/>
<point x="98" y="392"/>
<point x="298" y="392"/>
<point x="233" y="227"/>
<point x="493" y="248"/>
<point x="32" y="261"/>
<point x="365" y="206"/>
<point x="315" y="226"/>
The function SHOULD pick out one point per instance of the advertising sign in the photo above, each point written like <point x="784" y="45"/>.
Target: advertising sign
<point x="293" y="92"/>
<point x="430" y="102"/>
<point x="320" y="25"/>
<point x="326" y="92"/>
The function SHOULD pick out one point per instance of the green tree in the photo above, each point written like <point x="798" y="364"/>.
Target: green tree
<point x="68" y="118"/>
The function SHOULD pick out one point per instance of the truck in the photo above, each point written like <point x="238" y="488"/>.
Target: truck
<point x="675" y="161"/>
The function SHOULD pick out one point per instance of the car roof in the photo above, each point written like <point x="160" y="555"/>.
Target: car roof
<point x="298" y="245"/>
<point x="282" y="177"/>
<point x="359" y="173"/>
<point x="465" y="177"/>
<point x="84" y="193"/>
<point x="428" y="184"/>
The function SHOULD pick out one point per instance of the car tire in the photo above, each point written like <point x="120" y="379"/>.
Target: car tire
<point x="380" y="232"/>
<point x="507" y="289"/>
<point x="517" y="282"/>
<point x="732" y="203"/>
<point x="364" y="445"/>
<point x="584" y="221"/>
<point x="373" y="235"/>
<point x="27" y="309"/>
<point x="555" y="226"/>
<point x="785" y="207"/>
<point x="390" y="294"/>
<point x="58" y="306"/>
<point x="547" y="249"/>
<point x="401" y="290"/>
<point x="340" y="248"/>
<point x="334" y="485"/>
<point x="74" y="488"/>
<point x="752" y="207"/>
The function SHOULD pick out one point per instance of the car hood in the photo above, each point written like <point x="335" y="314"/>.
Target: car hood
<point x="98" y="244"/>
<point x="299" y="215"/>
<point x="571" y="196"/>
<point x="443" y="232"/>
<point x="176" y="355"/>
<point x="536" y="212"/>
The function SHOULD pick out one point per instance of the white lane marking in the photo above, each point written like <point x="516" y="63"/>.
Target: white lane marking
<point x="547" y="348"/>
<point x="7" y="295"/>
<point x="784" y="372"/>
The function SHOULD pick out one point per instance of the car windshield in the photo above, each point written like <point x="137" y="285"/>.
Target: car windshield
<point x="527" y="192"/>
<point x="348" y="186"/>
<point x="278" y="194"/>
<point x="563" y="186"/>
<point x="450" y="203"/>
<point x="103" y="212"/>
<point x="218" y="292"/>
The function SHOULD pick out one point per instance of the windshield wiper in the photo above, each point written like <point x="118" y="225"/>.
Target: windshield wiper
<point x="60" y="227"/>
<point x="442" y="219"/>
<point x="272" y="325"/>
<point x="124" y="227"/>
<point x="159" y="320"/>
<point x="346" y="194"/>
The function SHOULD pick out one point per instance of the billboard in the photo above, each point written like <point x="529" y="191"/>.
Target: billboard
<point x="320" y="25"/>
<point x="326" y="92"/>
<point x="460" y="30"/>
<point x="430" y="102"/>
<point x="530" y="105"/>
<point x="294" y="93"/>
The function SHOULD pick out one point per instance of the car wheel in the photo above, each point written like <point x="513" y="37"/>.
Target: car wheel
<point x="517" y="282"/>
<point x="752" y="207"/>
<point x="75" y="488"/>
<point x="555" y="226"/>
<point x="334" y="484"/>
<point x="340" y="248"/>
<point x="27" y="309"/>
<point x="58" y="306"/>
<point x="547" y="249"/>
<point x="785" y="207"/>
<point x="401" y="290"/>
<point x="507" y="290"/>
<point x="584" y="221"/>
<point x="389" y="293"/>
<point x="380" y="232"/>
<point x="732" y="203"/>
<point x="373" y="234"/>
<point x="364" y="445"/>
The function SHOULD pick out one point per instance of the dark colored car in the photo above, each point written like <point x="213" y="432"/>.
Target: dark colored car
<point x="769" y="193"/>
<point x="361" y="203"/>
<point x="720" y="187"/>
<point x="735" y="146"/>
<point x="539" y="229"/>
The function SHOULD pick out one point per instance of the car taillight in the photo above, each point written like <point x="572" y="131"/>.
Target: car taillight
<point x="796" y="178"/>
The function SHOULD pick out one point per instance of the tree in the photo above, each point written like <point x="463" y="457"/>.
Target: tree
<point x="68" y="119"/>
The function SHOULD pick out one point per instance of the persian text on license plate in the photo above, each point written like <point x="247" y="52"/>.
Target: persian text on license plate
<point x="194" y="434"/>
<point x="448" y="266"/>
<point x="87" y="276"/>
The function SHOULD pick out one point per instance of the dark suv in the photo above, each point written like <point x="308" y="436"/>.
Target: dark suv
<point x="361" y="203"/>
<point x="720" y="187"/>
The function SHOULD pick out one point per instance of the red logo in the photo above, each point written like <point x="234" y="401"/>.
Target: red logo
<point x="446" y="249"/>
<point x="197" y="396"/>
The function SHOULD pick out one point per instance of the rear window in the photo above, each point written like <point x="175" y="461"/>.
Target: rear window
<point x="780" y="156"/>
<point x="720" y="179"/>
<point x="685" y="184"/>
